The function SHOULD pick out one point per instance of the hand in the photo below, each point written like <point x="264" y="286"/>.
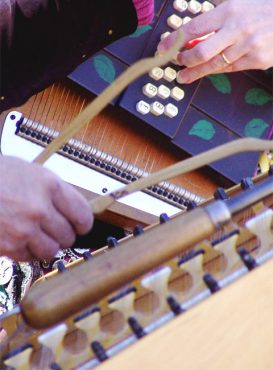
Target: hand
<point x="243" y="31"/>
<point x="39" y="213"/>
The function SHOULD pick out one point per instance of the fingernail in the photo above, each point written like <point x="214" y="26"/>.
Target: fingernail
<point x="181" y="78"/>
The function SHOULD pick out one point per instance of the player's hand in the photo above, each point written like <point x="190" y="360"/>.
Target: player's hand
<point x="243" y="31"/>
<point x="39" y="213"/>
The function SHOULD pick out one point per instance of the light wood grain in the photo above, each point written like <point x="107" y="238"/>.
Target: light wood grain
<point x="232" y="330"/>
<point x="87" y="283"/>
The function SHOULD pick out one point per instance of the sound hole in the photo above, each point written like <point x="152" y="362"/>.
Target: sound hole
<point x="41" y="358"/>
<point x="216" y="265"/>
<point x="181" y="283"/>
<point x="147" y="304"/>
<point x="75" y="342"/>
<point x="112" y="322"/>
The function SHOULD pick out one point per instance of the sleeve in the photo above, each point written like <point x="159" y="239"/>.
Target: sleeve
<point x="44" y="40"/>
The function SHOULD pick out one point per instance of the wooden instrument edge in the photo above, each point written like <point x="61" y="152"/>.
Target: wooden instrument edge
<point x="86" y="284"/>
<point x="231" y="330"/>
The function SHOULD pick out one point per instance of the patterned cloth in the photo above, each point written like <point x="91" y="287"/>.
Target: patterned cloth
<point x="145" y="11"/>
<point x="24" y="274"/>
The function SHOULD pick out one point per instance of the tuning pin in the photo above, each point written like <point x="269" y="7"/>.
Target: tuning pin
<point x="99" y="351"/>
<point x="138" y="230"/>
<point x="55" y="366"/>
<point x="112" y="242"/>
<point x="220" y="194"/>
<point x="211" y="283"/>
<point x="163" y="218"/>
<point x="155" y="189"/>
<point x="61" y="266"/>
<point x="175" y="306"/>
<point x="136" y="327"/>
<point x="191" y="204"/>
<point x="248" y="260"/>
<point x="246" y="183"/>
<point x="87" y="256"/>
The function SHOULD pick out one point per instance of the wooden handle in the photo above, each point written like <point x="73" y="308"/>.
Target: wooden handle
<point x="68" y="293"/>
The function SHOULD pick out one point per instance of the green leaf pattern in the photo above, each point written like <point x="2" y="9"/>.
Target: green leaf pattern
<point x="203" y="129"/>
<point x="140" y="31"/>
<point x="257" y="96"/>
<point x="221" y="83"/>
<point x="255" y="127"/>
<point x="105" y="68"/>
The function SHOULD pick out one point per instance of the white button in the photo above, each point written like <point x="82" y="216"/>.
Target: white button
<point x="186" y="20"/>
<point x="177" y="93"/>
<point x="194" y="6"/>
<point x="143" y="107"/>
<point x="169" y="74"/>
<point x="171" y="110"/>
<point x="157" y="108"/>
<point x="163" y="92"/>
<point x="149" y="90"/>
<point x="207" y="6"/>
<point x="164" y="35"/>
<point x="180" y="5"/>
<point x="156" y="73"/>
<point x="174" y="21"/>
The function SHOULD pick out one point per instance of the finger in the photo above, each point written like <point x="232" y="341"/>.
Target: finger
<point x="21" y="256"/>
<point x="242" y="64"/>
<point x="204" y="23"/>
<point x="206" y="50"/>
<point x="58" y="228"/>
<point x="197" y="27"/>
<point x="217" y="2"/>
<point x="42" y="246"/>
<point x="189" y="75"/>
<point x="74" y="207"/>
<point x="18" y="252"/>
<point x="215" y="65"/>
<point x="166" y="43"/>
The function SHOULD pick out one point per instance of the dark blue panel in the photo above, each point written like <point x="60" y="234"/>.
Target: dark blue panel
<point x="239" y="103"/>
<point x="199" y="133"/>
<point x="96" y="73"/>
<point x="164" y="124"/>
<point x="133" y="94"/>
<point x="263" y="77"/>
<point x="130" y="49"/>
<point x="229" y="104"/>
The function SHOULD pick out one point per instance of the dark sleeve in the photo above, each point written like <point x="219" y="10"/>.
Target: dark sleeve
<point x="44" y="40"/>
